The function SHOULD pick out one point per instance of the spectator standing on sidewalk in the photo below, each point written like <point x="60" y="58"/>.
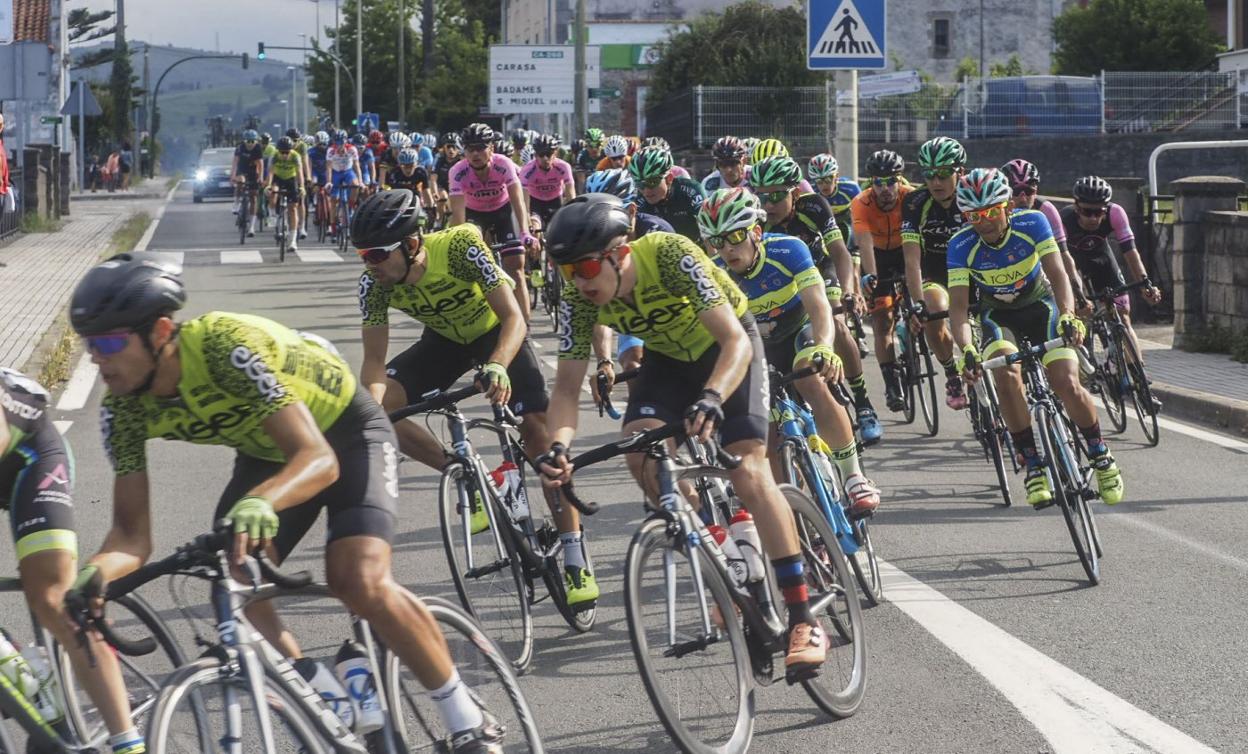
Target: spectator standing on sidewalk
<point x="7" y="203"/>
<point x="112" y="171"/>
<point x="126" y="162"/>
<point x="93" y="174"/>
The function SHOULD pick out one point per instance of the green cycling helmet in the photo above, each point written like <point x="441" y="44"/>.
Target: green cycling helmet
<point x="941" y="152"/>
<point x="768" y="148"/>
<point x="649" y="163"/>
<point x="727" y="210"/>
<point x="982" y="188"/>
<point x="776" y="171"/>
<point x="822" y="166"/>
<point x="594" y="137"/>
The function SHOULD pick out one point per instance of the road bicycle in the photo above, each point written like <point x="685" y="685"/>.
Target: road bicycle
<point x="496" y="570"/>
<point x="1119" y="373"/>
<point x="1065" y="458"/>
<point x="698" y="666"/>
<point x="546" y="281"/>
<point x="246" y="209"/>
<point x="242" y="695"/>
<point x="344" y="213"/>
<point x="988" y="424"/>
<point x="807" y="463"/>
<point x="320" y="212"/>
<point x="146" y="652"/>
<point x="913" y="356"/>
<point x="281" y="232"/>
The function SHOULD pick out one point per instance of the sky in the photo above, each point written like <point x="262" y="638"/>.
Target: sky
<point x="221" y="25"/>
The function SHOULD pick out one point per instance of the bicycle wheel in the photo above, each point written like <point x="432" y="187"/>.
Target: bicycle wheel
<point x="488" y="574"/>
<point x="698" y="680"/>
<point x="580" y="621"/>
<point x="1141" y="393"/>
<point x="206" y="701"/>
<point x="322" y="218"/>
<point x="924" y="374"/>
<point x="906" y="365"/>
<point x="991" y="432"/>
<point x="1068" y="486"/>
<point x="133" y="618"/>
<point x="484" y="670"/>
<point x="1109" y="376"/>
<point x="244" y="217"/>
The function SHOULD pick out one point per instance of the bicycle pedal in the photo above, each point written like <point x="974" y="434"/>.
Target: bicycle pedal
<point x="1044" y="505"/>
<point x="795" y="674"/>
<point x="583" y="607"/>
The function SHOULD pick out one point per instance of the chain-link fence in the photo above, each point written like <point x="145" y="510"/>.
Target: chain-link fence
<point x="804" y="117"/>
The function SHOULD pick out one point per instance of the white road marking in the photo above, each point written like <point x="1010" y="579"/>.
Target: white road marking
<point x="178" y="257"/>
<point x="1163" y="531"/>
<point x="78" y="390"/>
<point x="554" y="367"/>
<point x="62" y="425"/>
<point x="318" y="255"/>
<point x="1071" y="712"/>
<point x="242" y="256"/>
<point x="1230" y="443"/>
<point x="146" y="238"/>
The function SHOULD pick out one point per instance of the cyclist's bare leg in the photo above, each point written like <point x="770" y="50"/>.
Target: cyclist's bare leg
<point x="45" y="578"/>
<point x="754" y="484"/>
<point x="1125" y="316"/>
<point x="938" y="336"/>
<point x="533" y="432"/>
<point x="1064" y="379"/>
<point x="830" y="417"/>
<point x="847" y="348"/>
<point x="514" y="265"/>
<point x="1009" y="385"/>
<point x="416" y="442"/>
<point x="645" y="473"/>
<point x="882" y="324"/>
<point x="358" y="571"/>
<point x="294" y="212"/>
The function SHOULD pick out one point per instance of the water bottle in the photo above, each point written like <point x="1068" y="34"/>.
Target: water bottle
<point x="357" y="678"/>
<point x="47" y="701"/>
<point x="746" y="536"/>
<point x="16" y="669"/>
<point x="506" y="478"/>
<point x="736" y="561"/>
<point x="335" y="696"/>
<point x="826" y="471"/>
<point x="903" y="335"/>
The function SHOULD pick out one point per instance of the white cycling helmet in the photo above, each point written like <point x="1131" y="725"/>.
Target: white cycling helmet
<point x="308" y="139"/>
<point x="616" y="146"/>
<point x="322" y="138"/>
<point x="400" y="141"/>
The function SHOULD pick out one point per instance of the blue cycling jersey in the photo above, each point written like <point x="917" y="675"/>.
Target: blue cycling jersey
<point x="366" y="162"/>
<point x="316" y="156"/>
<point x="845" y="192"/>
<point x="648" y="223"/>
<point x="1009" y="272"/>
<point x="424" y="157"/>
<point x="783" y="270"/>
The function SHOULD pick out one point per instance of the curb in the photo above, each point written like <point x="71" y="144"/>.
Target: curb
<point x="116" y="197"/>
<point x="1213" y="411"/>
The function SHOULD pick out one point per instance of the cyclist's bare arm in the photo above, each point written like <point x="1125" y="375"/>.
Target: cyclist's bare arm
<point x="519" y="207"/>
<point x="426" y="197"/>
<point x="564" y="408"/>
<point x="959" y="321"/>
<point x="311" y="464"/>
<point x="373" y="369"/>
<point x="815" y="301"/>
<point x="604" y="342"/>
<point x="914" y="275"/>
<point x="569" y="192"/>
<point x="5" y="435"/>
<point x="844" y="263"/>
<point x="734" y="349"/>
<point x="512" y="326"/>
<point x="234" y="167"/>
<point x="1055" y="271"/>
<point x="866" y="252"/>
<point x="128" y="544"/>
<point x="1072" y="274"/>
<point x="458" y="213"/>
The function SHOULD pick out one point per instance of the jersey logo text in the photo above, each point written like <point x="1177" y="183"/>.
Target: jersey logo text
<point x="258" y="372"/>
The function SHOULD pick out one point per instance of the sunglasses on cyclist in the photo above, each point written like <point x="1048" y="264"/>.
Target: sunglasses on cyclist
<point x="733" y="237"/>
<point x="109" y="343"/>
<point x="1091" y="211"/>
<point x="590" y="267"/>
<point x="773" y="197"/>
<point x="825" y="181"/>
<point x="892" y="180"/>
<point x="377" y="254"/>
<point x="652" y="182"/>
<point x="976" y="216"/>
<point x="1025" y="191"/>
<point x="939" y="173"/>
<point x="727" y="163"/>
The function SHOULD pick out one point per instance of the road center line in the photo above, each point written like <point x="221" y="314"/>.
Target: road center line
<point x="1071" y="712"/>
<point x="80" y="383"/>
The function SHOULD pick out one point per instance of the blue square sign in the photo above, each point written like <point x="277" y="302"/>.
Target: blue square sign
<point x="845" y="35"/>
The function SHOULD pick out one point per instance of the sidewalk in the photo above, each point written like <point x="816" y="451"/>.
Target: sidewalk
<point x="1208" y="388"/>
<point x="147" y="190"/>
<point x="41" y="270"/>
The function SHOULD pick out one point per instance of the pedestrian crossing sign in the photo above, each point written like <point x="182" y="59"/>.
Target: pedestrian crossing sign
<point x="845" y="34"/>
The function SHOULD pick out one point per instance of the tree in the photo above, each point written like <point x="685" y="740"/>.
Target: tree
<point x="120" y="83"/>
<point x="1134" y="35"/>
<point x="749" y="44"/>
<point x="84" y="27"/>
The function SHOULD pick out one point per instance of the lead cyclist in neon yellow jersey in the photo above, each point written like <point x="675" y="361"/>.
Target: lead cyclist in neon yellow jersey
<point x="307" y="437"/>
<point x="1013" y="261"/>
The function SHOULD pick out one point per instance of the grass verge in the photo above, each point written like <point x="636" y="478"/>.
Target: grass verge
<point x="1219" y="339"/>
<point x="33" y="222"/>
<point x="174" y="180"/>
<point x="125" y="237"/>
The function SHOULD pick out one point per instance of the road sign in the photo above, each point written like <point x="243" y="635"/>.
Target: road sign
<point x="51" y="120"/>
<point x="889" y="84"/>
<point x="90" y="104"/>
<point x="539" y="78"/>
<point x="604" y="93"/>
<point x="845" y="35"/>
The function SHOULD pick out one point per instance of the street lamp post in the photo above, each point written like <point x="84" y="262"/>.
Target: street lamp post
<point x="337" y="72"/>
<point x="304" y="75"/>
<point x="294" y="94"/>
<point x="286" y="112"/>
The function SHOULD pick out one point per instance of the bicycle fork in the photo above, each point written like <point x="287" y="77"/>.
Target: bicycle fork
<point x="467" y="459"/>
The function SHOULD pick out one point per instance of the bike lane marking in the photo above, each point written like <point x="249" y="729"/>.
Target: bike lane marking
<point x="1072" y="712"/>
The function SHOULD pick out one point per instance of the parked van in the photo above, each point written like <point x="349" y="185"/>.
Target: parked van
<point x="1025" y="106"/>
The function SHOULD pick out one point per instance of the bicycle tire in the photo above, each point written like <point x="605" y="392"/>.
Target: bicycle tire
<point x="500" y="588"/>
<point x="827" y="572"/>
<point x="869" y="578"/>
<point x="79" y="709"/>
<point x="580" y="621"/>
<point x="927" y="375"/>
<point x="244" y="217"/>
<point x="652" y="537"/>
<point x="478" y="659"/>
<point x="1068" y="486"/>
<point x="992" y="434"/>
<point x="1111" y="383"/>
<point x="193" y="680"/>
<point x="1141" y="393"/>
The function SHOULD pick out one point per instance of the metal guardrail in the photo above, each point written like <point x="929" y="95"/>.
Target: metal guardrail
<point x="10" y="222"/>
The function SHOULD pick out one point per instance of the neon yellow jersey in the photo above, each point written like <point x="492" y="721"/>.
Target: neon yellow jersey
<point x="286" y="167"/>
<point x="676" y="282"/>
<point x="450" y="296"/>
<point x="237" y="370"/>
<point x="270" y="151"/>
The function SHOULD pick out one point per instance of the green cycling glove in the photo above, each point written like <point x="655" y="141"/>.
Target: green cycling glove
<point x="817" y="352"/>
<point x="253" y="515"/>
<point x="494" y="373"/>
<point x="971" y="352"/>
<point x="1074" y="322"/>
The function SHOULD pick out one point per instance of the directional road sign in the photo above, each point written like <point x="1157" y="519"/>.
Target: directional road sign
<point x="539" y="78"/>
<point x="598" y="93"/>
<point x="845" y="35"/>
<point x="89" y="102"/>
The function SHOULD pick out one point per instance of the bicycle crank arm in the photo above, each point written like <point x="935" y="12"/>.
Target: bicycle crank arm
<point x="689" y="647"/>
<point x="485" y="570"/>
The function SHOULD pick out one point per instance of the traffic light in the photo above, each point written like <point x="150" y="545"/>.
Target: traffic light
<point x="246" y="61"/>
<point x="260" y="51"/>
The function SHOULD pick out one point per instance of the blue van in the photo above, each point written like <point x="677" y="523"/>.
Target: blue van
<point x="1025" y="106"/>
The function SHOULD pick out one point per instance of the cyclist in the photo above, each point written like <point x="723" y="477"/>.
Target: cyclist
<point x="1089" y="223"/>
<point x="485" y="189"/>
<point x="704" y="362"/>
<point x="388" y="162"/>
<point x="342" y="164"/>
<point x="547" y="180"/>
<point x="449" y="148"/>
<point x="301" y="145"/>
<point x="808" y="217"/>
<point x="1011" y="258"/>
<point x="519" y="140"/>
<point x="306" y="437"/>
<point x="450" y="282"/>
<point x="411" y="176"/>
<point x="730" y="168"/>
<point x="316" y="160"/>
<point x="749" y="143"/>
<point x="776" y="148"/>
<point x="839" y="193"/>
<point x="615" y="154"/>
<point x="787" y="298"/>
<point x="1024" y="181"/>
<point x="877" y="228"/>
<point x="368" y="166"/>
<point x="587" y="158"/>
<point x="424" y="154"/>
<point x="929" y="218"/>
<point x="658" y="142"/>
<point x="503" y="147"/>
<point x="287" y="175"/>
<point x="246" y="171"/>
<point x="676" y="200"/>
<point x="377" y="143"/>
<point x="269" y="150"/>
<point x="36" y="487"/>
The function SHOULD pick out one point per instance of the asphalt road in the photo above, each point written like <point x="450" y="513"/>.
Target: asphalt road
<point x="990" y="640"/>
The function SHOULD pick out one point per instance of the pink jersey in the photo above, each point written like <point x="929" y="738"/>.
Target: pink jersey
<point x="1055" y="220"/>
<point x="546" y="185"/>
<point x="679" y="172"/>
<point x="485" y="195"/>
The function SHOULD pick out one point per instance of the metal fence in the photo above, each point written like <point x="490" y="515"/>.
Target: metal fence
<point x="10" y="222"/>
<point x="1114" y="102"/>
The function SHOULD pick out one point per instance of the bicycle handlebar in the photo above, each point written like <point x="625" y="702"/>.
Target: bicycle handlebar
<point x="1111" y="293"/>
<point x="435" y="401"/>
<point x="604" y="390"/>
<point x="1013" y="358"/>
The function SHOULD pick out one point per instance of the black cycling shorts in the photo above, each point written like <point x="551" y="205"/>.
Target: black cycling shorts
<point x="934" y="269"/>
<point x="435" y="362"/>
<point x="290" y="187"/>
<point x="666" y="387"/>
<point x="781" y="352"/>
<point x="498" y="226"/>
<point x="1004" y="329"/>
<point x="36" y="486"/>
<point x="545" y="209"/>
<point x="364" y="500"/>
<point x="890" y="264"/>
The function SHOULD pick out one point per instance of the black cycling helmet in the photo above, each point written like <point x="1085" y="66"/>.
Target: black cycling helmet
<point x="728" y="148"/>
<point x="385" y="218"/>
<point x="546" y="144"/>
<point x="293" y="133"/>
<point x="285" y="144"/>
<point x="477" y="134"/>
<point x="450" y="138"/>
<point x="503" y="147"/>
<point x="127" y="292"/>
<point x="520" y="138"/>
<point x="884" y="163"/>
<point x="1091" y="189"/>
<point x="265" y="137"/>
<point x="585" y="226"/>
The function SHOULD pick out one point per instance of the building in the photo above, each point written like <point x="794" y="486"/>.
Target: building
<point x="34" y="83"/>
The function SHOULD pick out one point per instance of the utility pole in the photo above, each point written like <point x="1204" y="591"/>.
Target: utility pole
<point x="402" y="89"/>
<point x="337" y="68"/>
<point x="847" y="124"/>
<point x="582" y="94"/>
<point x="426" y="35"/>
<point x="148" y="115"/>
<point x="359" y="56"/>
<point x="303" y="73"/>
<point x="294" y="97"/>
